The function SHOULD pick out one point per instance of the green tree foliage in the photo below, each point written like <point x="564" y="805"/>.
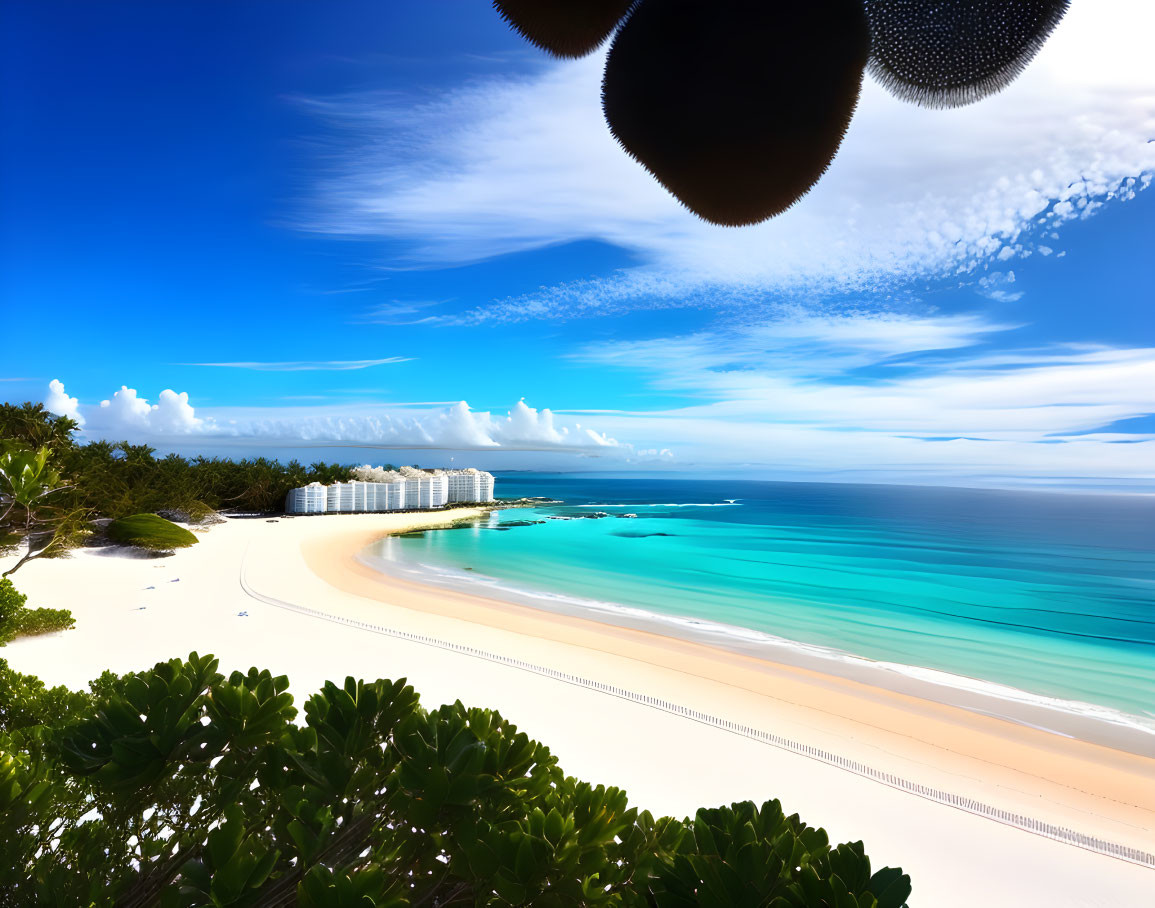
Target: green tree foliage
<point x="26" y="481"/>
<point x="32" y="426"/>
<point x="148" y="531"/>
<point x="119" y="479"/>
<point x="122" y="479"/>
<point x="26" y="702"/>
<point x="180" y="787"/>
<point x="17" y="620"/>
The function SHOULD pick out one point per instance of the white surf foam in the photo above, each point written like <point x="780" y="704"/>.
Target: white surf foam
<point x="987" y="697"/>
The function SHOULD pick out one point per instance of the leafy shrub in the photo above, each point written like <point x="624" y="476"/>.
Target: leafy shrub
<point x="44" y="621"/>
<point x="16" y="620"/>
<point x="12" y="603"/>
<point x="32" y="426"/>
<point x="120" y="479"/>
<point x="26" y="702"/>
<point x="148" y="531"/>
<point x="180" y="787"/>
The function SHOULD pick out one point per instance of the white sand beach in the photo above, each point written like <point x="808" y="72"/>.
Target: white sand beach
<point x="289" y="595"/>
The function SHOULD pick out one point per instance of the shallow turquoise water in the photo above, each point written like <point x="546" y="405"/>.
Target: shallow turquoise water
<point x="1051" y="594"/>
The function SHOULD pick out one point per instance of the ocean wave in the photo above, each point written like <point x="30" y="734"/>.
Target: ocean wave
<point x="748" y="641"/>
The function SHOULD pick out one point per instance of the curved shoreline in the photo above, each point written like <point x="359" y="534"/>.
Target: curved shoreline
<point x="1085" y="721"/>
<point x="1019" y="821"/>
<point x="132" y="612"/>
<point x="1085" y="786"/>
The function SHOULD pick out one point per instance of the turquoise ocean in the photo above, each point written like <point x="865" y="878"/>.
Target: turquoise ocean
<point x="1049" y="594"/>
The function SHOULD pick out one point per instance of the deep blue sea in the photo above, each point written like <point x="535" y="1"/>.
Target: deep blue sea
<point x="1047" y="593"/>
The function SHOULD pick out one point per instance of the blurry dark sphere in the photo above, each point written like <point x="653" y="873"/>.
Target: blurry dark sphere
<point x="565" y="28"/>
<point x="946" y="53"/>
<point x="739" y="106"/>
<point x="736" y="106"/>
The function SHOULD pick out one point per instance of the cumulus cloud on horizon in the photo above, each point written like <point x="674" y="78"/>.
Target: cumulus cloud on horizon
<point x="870" y="396"/>
<point x="503" y="166"/>
<point x="173" y="419"/>
<point x="57" y="401"/>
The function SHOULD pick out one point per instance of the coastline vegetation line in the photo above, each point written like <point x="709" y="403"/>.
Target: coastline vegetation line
<point x="969" y="805"/>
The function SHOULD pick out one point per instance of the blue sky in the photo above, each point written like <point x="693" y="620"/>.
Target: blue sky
<point x="362" y="213"/>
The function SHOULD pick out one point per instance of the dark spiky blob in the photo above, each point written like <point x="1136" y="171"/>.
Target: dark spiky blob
<point x="947" y="53"/>
<point x="565" y="28"/>
<point x="736" y="106"/>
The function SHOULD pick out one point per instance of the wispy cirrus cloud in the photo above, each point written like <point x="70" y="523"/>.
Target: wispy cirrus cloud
<point x="907" y="375"/>
<point x="879" y="396"/>
<point x="504" y="166"/>
<point x="400" y="312"/>
<point x="339" y="365"/>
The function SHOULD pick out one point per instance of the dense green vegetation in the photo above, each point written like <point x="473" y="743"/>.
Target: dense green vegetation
<point x="122" y="479"/>
<point x="178" y="787"/>
<point x="118" y="479"/>
<point x="51" y="488"/>
<point x="31" y="426"/>
<point x="148" y="531"/>
<point x="17" y="620"/>
<point x="31" y="505"/>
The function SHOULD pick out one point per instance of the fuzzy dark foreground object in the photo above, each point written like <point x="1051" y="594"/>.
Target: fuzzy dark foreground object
<point x="736" y="106"/>
<point x="564" y="28"/>
<point x="947" y="53"/>
<point x="739" y="106"/>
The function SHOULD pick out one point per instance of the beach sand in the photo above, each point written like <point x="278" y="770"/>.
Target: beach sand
<point x="241" y="594"/>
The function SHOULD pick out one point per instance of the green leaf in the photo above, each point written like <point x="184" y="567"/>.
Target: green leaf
<point x="891" y="887"/>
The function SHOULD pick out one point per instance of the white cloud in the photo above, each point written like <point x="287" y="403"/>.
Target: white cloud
<point x="127" y="415"/>
<point x="173" y="419"/>
<point x="872" y="398"/>
<point x="58" y="402"/>
<point x="923" y="408"/>
<point x="996" y="286"/>
<point x="798" y="344"/>
<point x="498" y="167"/>
<point x="340" y="365"/>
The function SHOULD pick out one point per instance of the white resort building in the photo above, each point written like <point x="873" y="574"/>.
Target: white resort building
<point x="376" y="489"/>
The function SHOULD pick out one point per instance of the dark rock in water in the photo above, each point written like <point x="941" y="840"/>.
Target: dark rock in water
<point x="565" y="28"/>
<point x="946" y="53"/>
<point x="518" y="523"/>
<point x="625" y="534"/>
<point x="410" y="535"/>
<point x="736" y="106"/>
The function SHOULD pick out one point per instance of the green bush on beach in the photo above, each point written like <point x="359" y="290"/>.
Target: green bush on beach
<point x="52" y="489"/>
<point x="150" y="531"/>
<point x="17" y="620"/>
<point x="178" y="786"/>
